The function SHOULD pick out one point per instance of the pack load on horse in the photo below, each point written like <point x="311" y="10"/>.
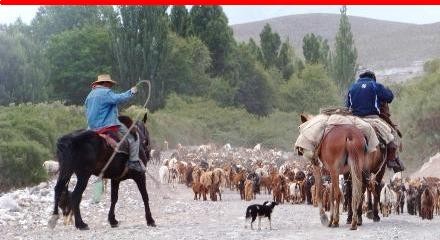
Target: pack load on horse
<point x="346" y="142"/>
<point x="93" y="152"/>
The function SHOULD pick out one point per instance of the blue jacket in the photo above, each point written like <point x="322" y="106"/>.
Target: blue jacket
<point x="101" y="107"/>
<point x="365" y="96"/>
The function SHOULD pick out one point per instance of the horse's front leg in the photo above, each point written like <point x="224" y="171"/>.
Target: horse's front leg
<point x="81" y="185"/>
<point x="141" y="183"/>
<point x="114" y="199"/>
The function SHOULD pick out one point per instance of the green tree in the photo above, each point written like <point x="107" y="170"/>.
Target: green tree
<point x="344" y="61"/>
<point x="139" y="40"/>
<point x="255" y="90"/>
<point x="309" y="91"/>
<point x="76" y="57"/>
<point x="187" y="64"/>
<point x="285" y="60"/>
<point x="316" y="50"/>
<point x="255" y="49"/>
<point x="180" y="20"/>
<point x="22" y="67"/>
<point x="53" y="20"/>
<point x="210" y="24"/>
<point x="270" y="44"/>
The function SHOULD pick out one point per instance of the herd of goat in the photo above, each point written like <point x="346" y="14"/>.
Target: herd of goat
<point x="208" y="169"/>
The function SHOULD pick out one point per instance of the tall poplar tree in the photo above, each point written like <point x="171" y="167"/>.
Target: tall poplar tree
<point x="344" y="61"/>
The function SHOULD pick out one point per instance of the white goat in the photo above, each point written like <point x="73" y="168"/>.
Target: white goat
<point x="51" y="167"/>
<point x="163" y="174"/>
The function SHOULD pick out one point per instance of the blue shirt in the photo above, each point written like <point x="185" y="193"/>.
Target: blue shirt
<point x="101" y="107"/>
<point x="365" y="96"/>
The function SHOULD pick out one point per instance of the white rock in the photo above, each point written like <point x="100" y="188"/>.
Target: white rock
<point x="7" y="202"/>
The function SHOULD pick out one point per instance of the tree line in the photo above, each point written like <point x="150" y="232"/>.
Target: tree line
<point x="187" y="52"/>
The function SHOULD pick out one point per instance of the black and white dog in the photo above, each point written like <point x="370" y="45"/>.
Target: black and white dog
<point x="261" y="211"/>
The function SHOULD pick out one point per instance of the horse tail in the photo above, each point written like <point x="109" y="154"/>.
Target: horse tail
<point x="64" y="156"/>
<point x="355" y="158"/>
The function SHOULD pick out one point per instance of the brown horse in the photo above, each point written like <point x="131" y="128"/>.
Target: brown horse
<point x="84" y="153"/>
<point x="342" y="150"/>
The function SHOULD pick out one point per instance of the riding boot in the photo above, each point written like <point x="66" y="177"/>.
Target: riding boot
<point x="400" y="168"/>
<point x="393" y="161"/>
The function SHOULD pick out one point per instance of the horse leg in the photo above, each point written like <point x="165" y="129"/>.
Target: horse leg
<point x="356" y="200"/>
<point x="114" y="199"/>
<point x="376" y="195"/>
<point x="141" y="184"/>
<point x="334" y="195"/>
<point x="369" y="214"/>
<point x="318" y="189"/>
<point x="81" y="185"/>
<point x="62" y="181"/>
<point x="348" y="198"/>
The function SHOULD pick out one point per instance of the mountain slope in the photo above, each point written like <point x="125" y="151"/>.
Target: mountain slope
<point x="381" y="44"/>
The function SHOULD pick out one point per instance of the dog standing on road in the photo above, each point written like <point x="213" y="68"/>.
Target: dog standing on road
<point x="261" y="211"/>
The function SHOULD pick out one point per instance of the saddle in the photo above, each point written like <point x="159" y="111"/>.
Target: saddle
<point x="112" y="138"/>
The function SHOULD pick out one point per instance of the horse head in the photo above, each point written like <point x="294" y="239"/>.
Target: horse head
<point x="143" y="133"/>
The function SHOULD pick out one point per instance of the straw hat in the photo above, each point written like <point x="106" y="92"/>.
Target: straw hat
<point x="103" y="78"/>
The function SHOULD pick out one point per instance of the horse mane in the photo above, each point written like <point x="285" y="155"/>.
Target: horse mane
<point x="126" y="120"/>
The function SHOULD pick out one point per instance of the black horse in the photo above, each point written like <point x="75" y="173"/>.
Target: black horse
<point x="85" y="153"/>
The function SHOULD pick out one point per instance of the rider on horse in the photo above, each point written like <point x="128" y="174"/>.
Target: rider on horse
<point x="365" y="98"/>
<point x="102" y="115"/>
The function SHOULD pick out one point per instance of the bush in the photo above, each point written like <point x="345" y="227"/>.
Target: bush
<point x="28" y="133"/>
<point x="192" y="121"/>
<point x="417" y="110"/>
<point x="21" y="163"/>
<point x="309" y="91"/>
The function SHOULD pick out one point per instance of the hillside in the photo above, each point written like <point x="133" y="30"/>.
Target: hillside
<point x="381" y="44"/>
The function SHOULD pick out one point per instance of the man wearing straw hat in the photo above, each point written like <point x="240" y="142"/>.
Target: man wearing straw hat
<point x="102" y="114"/>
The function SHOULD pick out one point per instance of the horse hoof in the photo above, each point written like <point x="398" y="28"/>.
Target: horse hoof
<point x="324" y="219"/>
<point x="376" y="219"/>
<point x="151" y="224"/>
<point x="348" y="220"/>
<point x="370" y="214"/>
<point x="335" y="225"/>
<point x="114" y="224"/>
<point x="83" y="227"/>
<point x="359" y="222"/>
<point x="353" y="228"/>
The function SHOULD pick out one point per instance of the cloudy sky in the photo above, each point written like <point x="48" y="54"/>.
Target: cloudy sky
<point x="242" y="14"/>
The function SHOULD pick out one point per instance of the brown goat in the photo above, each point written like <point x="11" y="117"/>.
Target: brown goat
<point x="427" y="202"/>
<point x="248" y="190"/>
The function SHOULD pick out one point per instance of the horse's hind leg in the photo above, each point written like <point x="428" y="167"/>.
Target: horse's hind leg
<point x="141" y="183"/>
<point x="114" y="199"/>
<point x="61" y="184"/>
<point x="76" y="200"/>
<point x="334" y="202"/>
<point x="318" y="190"/>
<point x="376" y="195"/>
